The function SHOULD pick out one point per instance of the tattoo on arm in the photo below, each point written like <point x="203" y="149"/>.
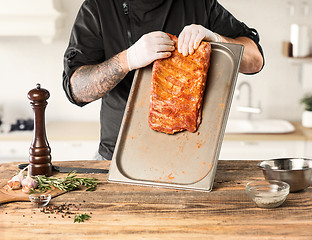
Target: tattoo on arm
<point x="92" y="82"/>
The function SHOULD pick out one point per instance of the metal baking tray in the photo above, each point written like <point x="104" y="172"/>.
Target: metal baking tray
<point x="184" y="160"/>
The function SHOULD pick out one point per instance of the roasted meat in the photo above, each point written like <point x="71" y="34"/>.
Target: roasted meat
<point x="177" y="90"/>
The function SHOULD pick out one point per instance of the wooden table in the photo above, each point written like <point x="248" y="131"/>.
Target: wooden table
<point x="120" y="211"/>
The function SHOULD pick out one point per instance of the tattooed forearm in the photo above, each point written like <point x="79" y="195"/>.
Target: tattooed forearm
<point x="91" y="82"/>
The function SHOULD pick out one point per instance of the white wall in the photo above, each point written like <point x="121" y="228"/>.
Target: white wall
<point x="27" y="61"/>
<point x="277" y="86"/>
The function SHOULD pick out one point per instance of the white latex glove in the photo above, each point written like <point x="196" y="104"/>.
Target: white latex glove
<point x="192" y="35"/>
<point x="148" y="48"/>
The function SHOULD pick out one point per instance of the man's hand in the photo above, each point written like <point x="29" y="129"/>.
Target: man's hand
<point x="191" y="36"/>
<point x="148" y="48"/>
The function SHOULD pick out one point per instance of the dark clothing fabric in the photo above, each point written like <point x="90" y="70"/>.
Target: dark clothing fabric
<point x="101" y="30"/>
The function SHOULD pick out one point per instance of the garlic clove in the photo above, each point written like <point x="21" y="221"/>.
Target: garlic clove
<point x="29" y="183"/>
<point x="16" y="182"/>
<point x="18" y="178"/>
<point x="26" y="189"/>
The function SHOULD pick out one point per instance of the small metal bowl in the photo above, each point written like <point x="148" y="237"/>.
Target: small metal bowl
<point x="297" y="172"/>
<point x="267" y="194"/>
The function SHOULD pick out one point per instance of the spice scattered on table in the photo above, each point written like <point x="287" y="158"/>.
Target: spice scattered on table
<point x="65" y="210"/>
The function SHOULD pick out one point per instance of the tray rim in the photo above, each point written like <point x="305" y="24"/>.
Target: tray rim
<point x="115" y="176"/>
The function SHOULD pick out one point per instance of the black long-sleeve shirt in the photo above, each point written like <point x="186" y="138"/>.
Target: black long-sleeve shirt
<point x="104" y="28"/>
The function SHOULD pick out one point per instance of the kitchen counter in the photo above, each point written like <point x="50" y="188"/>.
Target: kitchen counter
<point x="300" y="133"/>
<point x="70" y="131"/>
<point x="306" y="131"/>
<point x="60" y="131"/>
<point x="68" y="141"/>
<point x="79" y="141"/>
<point x="120" y="211"/>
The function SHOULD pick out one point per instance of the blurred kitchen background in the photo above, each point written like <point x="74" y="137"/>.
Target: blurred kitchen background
<point x="26" y="59"/>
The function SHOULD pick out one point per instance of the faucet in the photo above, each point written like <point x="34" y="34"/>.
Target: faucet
<point x="248" y="109"/>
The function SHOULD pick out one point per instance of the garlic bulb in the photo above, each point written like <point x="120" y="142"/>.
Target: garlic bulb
<point x="16" y="181"/>
<point x="28" y="183"/>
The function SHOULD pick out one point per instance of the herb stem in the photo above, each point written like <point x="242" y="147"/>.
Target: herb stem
<point x="68" y="183"/>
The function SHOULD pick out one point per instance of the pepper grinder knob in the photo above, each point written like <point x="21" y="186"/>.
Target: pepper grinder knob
<point x="39" y="151"/>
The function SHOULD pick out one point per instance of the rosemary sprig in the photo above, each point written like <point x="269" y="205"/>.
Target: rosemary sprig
<point x="68" y="183"/>
<point x="81" y="218"/>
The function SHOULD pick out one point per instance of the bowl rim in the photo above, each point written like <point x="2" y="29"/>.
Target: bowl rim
<point x="282" y="159"/>
<point x="38" y="195"/>
<point x="284" y="185"/>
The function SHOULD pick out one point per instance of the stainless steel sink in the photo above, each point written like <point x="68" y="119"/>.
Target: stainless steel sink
<point x="259" y="126"/>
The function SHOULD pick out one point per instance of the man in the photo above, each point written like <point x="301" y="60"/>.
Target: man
<point x="111" y="38"/>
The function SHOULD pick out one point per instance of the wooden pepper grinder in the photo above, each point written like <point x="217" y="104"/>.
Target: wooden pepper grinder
<point x="40" y="151"/>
